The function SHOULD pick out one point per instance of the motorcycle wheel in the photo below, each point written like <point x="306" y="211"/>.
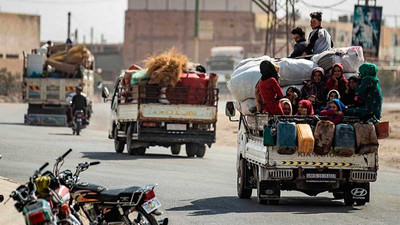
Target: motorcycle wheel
<point x="143" y="218"/>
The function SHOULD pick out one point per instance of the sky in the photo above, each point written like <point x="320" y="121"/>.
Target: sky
<point x="107" y="16"/>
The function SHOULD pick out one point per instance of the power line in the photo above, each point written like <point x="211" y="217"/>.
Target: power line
<point x="322" y="7"/>
<point x="62" y="1"/>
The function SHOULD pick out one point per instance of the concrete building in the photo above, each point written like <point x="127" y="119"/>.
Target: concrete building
<point x="108" y="57"/>
<point x="18" y="33"/>
<point x="156" y="25"/>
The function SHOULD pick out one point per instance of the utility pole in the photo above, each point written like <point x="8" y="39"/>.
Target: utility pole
<point x="91" y="35"/>
<point x="76" y="36"/>
<point x="69" y="25"/>
<point x="196" y="33"/>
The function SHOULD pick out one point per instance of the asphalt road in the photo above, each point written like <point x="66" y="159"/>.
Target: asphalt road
<point x="192" y="191"/>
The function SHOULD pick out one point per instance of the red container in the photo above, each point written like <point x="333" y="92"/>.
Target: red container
<point x="382" y="130"/>
<point x="196" y="86"/>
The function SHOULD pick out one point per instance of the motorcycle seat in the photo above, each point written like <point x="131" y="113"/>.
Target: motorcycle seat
<point x="122" y="194"/>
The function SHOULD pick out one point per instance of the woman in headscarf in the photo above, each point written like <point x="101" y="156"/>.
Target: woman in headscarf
<point x="370" y="90"/>
<point x="316" y="87"/>
<point x="294" y="95"/>
<point x="269" y="88"/>
<point x="337" y="81"/>
<point x="286" y="106"/>
<point x="305" y="108"/>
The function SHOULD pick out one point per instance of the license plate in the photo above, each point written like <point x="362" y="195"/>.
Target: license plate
<point x="151" y="205"/>
<point x="320" y="175"/>
<point x="176" y="127"/>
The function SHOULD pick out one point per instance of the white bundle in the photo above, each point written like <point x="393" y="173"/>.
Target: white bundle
<point x="295" y="71"/>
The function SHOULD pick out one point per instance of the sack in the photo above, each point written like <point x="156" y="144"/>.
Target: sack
<point x="323" y="134"/>
<point x="382" y="130"/>
<point x="345" y="140"/>
<point x="248" y="63"/>
<point x="295" y="71"/>
<point x="367" y="141"/>
<point x="286" y="138"/>
<point x="305" y="138"/>
<point x="242" y="86"/>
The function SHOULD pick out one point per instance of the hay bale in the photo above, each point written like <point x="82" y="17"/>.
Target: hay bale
<point x="165" y="69"/>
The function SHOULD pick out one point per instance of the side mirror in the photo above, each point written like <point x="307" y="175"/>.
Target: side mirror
<point x="105" y="92"/>
<point x="99" y="85"/>
<point x="230" y="110"/>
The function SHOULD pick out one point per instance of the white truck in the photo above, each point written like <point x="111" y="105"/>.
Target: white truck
<point x="149" y="118"/>
<point x="46" y="92"/>
<point x="263" y="168"/>
<point x="224" y="59"/>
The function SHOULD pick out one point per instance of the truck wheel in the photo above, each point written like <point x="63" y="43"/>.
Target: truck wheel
<point x="338" y="195"/>
<point x="242" y="174"/>
<point x="191" y="149"/>
<point x="141" y="151"/>
<point x="129" y="148"/>
<point x="119" y="146"/>
<point x="175" y="149"/>
<point x="201" y="151"/>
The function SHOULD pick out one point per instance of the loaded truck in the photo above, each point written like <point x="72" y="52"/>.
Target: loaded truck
<point x="50" y="76"/>
<point x="264" y="164"/>
<point x="145" y="115"/>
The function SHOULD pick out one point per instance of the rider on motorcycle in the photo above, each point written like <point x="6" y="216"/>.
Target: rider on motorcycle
<point x="79" y="102"/>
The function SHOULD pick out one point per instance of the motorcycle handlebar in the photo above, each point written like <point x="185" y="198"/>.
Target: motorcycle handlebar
<point x="65" y="154"/>
<point x="94" y="163"/>
<point x="44" y="166"/>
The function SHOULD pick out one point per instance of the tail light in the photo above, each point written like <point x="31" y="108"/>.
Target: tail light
<point x="38" y="217"/>
<point x="149" y="124"/>
<point x="66" y="210"/>
<point x="149" y="195"/>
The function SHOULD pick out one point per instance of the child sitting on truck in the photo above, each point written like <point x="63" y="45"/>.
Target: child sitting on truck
<point x="316" y="87"/>
<point x="269" y="88"/>
<point x="286" y="106"/>
<point x="305" y="108"/>
<point x="337" y="81"/>
<point x="334" y="112"/>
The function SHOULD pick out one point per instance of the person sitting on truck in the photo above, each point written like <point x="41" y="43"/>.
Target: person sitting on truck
<point x="301" y="44"/>
<point x="286" y="106"/>
<point x="269" y="88"/>
<point x="126" y="82"/>
<point x="369" y="90"/>
<point x="334" y="112"/>
<point x="333" y="94"/>
<point x="349" y="96"/>
<point x="316" y="87"/>
<point x="79" y="103"/>
<point x="313" y="101"/>
<point x="319" y="40"/>
<point x="294" y="95"/>
<point x="305" y="108"/>
<point x="337" y="80"/>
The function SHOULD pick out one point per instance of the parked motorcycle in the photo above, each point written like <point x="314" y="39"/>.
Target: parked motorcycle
<point x="78" y="122"/>
<point x="132" y="205"/>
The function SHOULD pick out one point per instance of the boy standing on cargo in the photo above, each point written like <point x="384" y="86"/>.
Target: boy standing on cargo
<point x="319" y="39"/>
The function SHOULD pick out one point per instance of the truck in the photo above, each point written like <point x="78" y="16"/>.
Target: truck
<point x="49" y="84"/>
<point x="154" y="116"/>
<point x="224" y="59"/>
<point x="261" y="167"/>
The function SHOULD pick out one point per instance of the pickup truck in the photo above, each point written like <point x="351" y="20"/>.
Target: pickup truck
<point x="145" y="117"/>
<point x="264" y="169"/>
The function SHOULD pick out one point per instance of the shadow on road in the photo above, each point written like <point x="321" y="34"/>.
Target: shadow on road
<point x="62" y="134"/>
<point x="125" y="156"/>
<point x="294" y="205"/>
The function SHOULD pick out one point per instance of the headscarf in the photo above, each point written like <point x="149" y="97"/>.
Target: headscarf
<point x="283" y="101"/>
<point x="369" y="71"/>
<point x="268" y="69"/>
<point x="339" y="104"/>
<point x="318" y="69"/>
<point x="333" y="90"/>
<point x="340" y="67"/>
<point x="294" y="89"/>
<point x="306" y="104"/>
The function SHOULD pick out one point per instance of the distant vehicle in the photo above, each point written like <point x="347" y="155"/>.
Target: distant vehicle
<point x="224" y="60"/>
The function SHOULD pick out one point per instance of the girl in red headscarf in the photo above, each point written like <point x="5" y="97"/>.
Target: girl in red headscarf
<point x="305" y="108"/>
<point x="269" y="88"/>
<point x="337" y="80"/>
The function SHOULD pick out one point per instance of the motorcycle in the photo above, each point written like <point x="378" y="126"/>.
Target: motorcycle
<point x="127" y="206"/>
<point x="78" y="122"/>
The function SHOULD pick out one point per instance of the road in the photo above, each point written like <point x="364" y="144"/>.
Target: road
<point x="192" y="191"/>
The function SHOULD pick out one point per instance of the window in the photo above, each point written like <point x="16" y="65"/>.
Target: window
<point x="395" y="40"/>
<point x="12" y="56"/>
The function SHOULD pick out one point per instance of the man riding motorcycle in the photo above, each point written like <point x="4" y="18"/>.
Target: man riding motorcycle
<point x="79" y="102"/>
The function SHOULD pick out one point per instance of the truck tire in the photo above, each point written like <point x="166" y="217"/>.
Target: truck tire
<point x="175" y="149"/>
<point x="141" y="151"/>
<point x="119" y="146"/>
<point x="129" y="148"/>
<point x="201" y="150"/>
<point x="191" y="149"/>
<point x="242" y="174"/>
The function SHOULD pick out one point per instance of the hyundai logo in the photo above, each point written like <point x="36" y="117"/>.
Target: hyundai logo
<point x="359" y="192"/>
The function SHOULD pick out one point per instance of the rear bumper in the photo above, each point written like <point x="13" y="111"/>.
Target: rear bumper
<point x="181" y="137"/>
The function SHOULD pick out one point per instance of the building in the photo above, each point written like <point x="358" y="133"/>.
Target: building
<point x="156" y="25"/>
<point x="18" y="33"/>
<point x="108" y="58"/>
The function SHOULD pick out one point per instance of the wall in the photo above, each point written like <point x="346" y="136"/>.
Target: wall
<point x="18" y="32"/>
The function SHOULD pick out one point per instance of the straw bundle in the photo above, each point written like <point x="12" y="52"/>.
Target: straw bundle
<point x="165" y="69"/>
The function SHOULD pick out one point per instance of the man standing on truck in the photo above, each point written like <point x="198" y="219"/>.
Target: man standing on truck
<point x="78" y="103"/>
<point x="319" y="39"/>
